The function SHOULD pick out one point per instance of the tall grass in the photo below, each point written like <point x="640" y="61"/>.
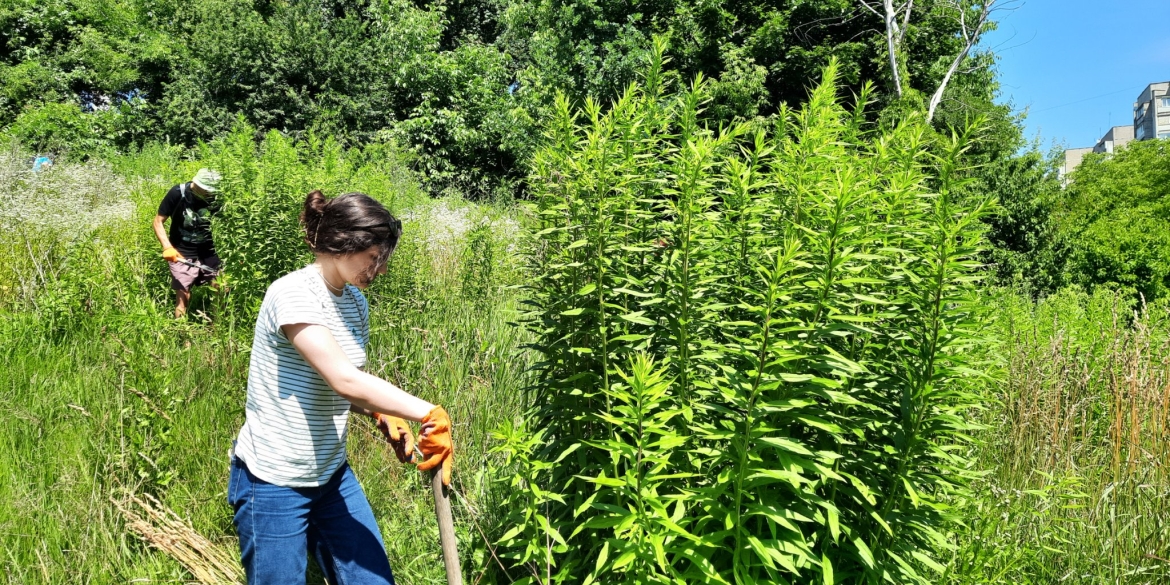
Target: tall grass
<point x="1079" y="480"/>
<point x="110" y="397"/>
<point x="752" y="347"/>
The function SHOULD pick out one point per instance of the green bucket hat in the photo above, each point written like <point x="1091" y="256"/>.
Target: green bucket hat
<point x="207" y="179"/>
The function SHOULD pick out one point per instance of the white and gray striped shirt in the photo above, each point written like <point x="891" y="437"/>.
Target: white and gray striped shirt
<point x="295" y="424"/>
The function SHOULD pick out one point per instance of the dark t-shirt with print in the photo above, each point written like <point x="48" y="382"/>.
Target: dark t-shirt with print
<point x="190" y="221"/>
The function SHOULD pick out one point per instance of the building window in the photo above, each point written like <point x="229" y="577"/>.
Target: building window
<point x="1141" y="132"/>
<point x="1164" y="135"/>
<point x="1166" y="102"/>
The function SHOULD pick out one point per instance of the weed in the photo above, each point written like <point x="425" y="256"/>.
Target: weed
<point x="752" y="347"/>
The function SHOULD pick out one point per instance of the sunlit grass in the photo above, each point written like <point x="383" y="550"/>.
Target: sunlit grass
<point x="106" y="395"/>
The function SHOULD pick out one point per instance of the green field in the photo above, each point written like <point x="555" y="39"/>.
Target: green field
<point x="112" y="397"/>
<point x="1064" y="407"/>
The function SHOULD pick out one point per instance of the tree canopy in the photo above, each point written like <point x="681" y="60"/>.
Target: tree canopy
<point x="464" y="85"/>
<point x="1112" y="220"/>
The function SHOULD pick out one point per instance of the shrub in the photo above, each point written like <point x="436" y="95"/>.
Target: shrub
<point x="752" y="347"/>
<point x="56" y="127"/>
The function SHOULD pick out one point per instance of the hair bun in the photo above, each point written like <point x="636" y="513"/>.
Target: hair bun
<point x="348" y="223"/>
<point x="313" y="213"/>
<point x="316" y="202"/>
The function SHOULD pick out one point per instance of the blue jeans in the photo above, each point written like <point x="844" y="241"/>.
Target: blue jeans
<point x="278" y="526"/>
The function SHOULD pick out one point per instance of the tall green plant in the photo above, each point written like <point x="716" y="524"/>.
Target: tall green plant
<point x="257" y="230"/>
<point x="794" y="307"/>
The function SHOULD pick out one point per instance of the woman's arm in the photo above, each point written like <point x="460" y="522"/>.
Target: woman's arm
<point x="316" y="344"/>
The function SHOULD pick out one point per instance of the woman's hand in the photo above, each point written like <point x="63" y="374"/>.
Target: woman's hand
<point x="398" y="434"/>
<point x="435" y="443"/>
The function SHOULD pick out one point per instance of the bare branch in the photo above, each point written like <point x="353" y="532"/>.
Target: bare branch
<point x="871" y="8"/>
<point x="905" y="20"/>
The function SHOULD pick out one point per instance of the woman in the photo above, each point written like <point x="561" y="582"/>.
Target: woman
<point x="290" y="485"/>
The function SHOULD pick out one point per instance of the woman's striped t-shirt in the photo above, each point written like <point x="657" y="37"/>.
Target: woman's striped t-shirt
<point x="295" y="424"/>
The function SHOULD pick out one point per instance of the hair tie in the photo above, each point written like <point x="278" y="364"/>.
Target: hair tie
<point x="321" y="219"/>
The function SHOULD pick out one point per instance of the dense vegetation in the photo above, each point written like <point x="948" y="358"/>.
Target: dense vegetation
<point x="734" y="311"/>
<point x="463" y="85"/>
<point x="1112" y="221"/>
<point x="750" y="341"/>
<point x="109" y="397"/>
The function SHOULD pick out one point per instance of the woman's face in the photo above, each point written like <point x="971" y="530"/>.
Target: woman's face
<point x="360" y="268"/>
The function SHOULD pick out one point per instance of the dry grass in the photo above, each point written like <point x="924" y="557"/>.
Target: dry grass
<point x="1093" y="394"/>
<point x="1080" y="446"/>
<point x="163" y="529"/>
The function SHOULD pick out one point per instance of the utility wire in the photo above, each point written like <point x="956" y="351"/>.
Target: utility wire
<point x="1081" y="101"/>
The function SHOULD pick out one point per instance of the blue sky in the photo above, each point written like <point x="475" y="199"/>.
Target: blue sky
<point x="1078" y="65"/>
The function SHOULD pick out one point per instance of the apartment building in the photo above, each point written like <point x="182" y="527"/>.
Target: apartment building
<point x="1151" y="119"/>
<point x="1072" y="158"/>
<point x="1151" y="112"/>
<point x="1115" y="138"/>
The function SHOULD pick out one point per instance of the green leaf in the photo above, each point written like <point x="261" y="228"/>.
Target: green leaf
<point x="929" y="562"/>
<point x="623" y="560"/>
<point x="910" y="492"/>
<point x="601" y="558"/>
<point x="834" y="521"/>
<point x="864" y="552"/>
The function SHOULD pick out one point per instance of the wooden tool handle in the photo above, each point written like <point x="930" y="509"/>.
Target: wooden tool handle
<point x="446" y="528"/>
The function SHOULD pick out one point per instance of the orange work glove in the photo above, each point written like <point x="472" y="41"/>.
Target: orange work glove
<point x="398" y="435"/>
<point x="435" y="443"/>
<point x="172" y="255"/>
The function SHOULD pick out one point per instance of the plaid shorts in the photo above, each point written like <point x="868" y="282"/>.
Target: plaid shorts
<point x="185" y="276"/>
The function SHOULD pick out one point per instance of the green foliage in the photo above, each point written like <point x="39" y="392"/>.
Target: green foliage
<point x="752" y="346"/>
<point x="55" y="127"/>
<point x="257" y="230"/>
<point x="183" y="71"/>
<point x="1022" y="232"/>
<point x="1112" y="220"/>
<point x="463" y="85"/>
<point x="757" y="54"/>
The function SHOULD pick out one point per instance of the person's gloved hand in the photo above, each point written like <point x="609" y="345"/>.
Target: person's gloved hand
<point x="398" y="435"/>
<point x="435" y="443"/>
<point x="172" y="255"/>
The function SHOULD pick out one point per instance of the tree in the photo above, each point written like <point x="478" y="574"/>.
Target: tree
<point x="1022" y="233"/>
<point x="461" y="86"/>
<point x="1113" y="220"/>
<point x="973" y="19"/>
<point x="758" y="48"/>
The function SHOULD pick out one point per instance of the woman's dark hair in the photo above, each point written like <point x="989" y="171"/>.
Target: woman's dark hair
<point x="348" y="223"/>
